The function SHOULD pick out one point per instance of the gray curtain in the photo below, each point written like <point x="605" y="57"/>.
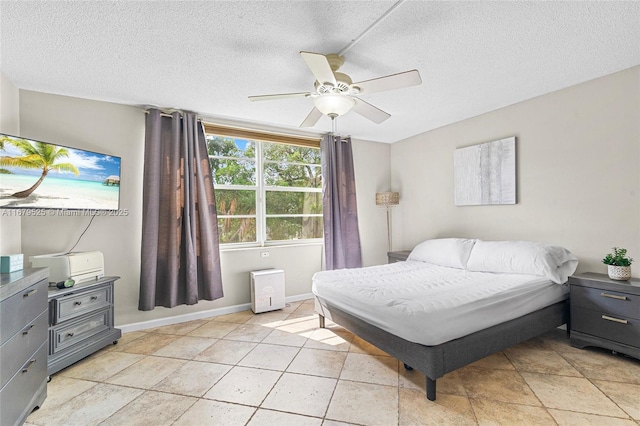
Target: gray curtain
<point x="340" y="210"/>
<point x="180" y="252"/>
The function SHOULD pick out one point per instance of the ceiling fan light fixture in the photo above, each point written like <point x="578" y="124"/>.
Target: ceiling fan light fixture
<point x="334" y="104"/>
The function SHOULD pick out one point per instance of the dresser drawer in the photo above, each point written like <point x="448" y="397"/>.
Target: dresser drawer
<point x="609" y="326"/>
<point x="20" y="309"/>
<point x="74" y="305"/>
<point x="21" y="346"/>
<point x="618" y="303"/>
<point x="70" y="333"/>
<point x="25" y="386"/>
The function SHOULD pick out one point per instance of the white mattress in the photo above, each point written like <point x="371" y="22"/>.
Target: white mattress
<point x="431" y="304"/>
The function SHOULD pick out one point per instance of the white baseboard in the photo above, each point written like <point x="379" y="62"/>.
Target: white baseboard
<point x="144" y="325"/>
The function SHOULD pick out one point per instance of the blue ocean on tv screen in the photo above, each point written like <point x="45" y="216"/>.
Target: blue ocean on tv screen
<point x="95" y="186"/>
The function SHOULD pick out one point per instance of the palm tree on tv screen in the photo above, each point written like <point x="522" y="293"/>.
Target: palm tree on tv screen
<point x="37" y="155"/>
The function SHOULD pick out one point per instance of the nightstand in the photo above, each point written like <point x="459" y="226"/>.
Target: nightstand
<point x="398" y="256"/>
<point x="605" y="313"/>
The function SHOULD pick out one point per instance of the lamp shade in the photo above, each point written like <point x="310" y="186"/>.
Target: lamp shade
<point x="387" y="199"/>
<point x="334" y="104"/>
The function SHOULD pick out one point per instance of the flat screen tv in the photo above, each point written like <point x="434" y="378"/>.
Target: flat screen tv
<point x="40" y="175"/>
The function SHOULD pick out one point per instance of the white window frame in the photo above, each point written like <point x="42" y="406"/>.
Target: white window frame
<point x="261" y="189"/>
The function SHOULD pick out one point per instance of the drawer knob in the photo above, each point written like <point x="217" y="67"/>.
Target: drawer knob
<point x="69" y="334"/>
<point x="26" y="330"/>
<point x="94" y="297"/>
<point x="26" y="367"/>
<point x="613" y="296"/>
<point x="608" y="318"/>
<point x="78" y="303"/>
<point x="30" y="293"/>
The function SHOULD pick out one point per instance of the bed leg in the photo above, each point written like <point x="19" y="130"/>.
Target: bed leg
<point x="321" y="318"/>
<point x="431" y="389"/>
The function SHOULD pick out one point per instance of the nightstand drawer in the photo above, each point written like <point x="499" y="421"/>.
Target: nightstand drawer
<point x="20" y="309"/>
<point x="75" y="331"/>
<point x="618" y="303"/>
<point x="606" y="325"/>
<point x="76" y="305"/>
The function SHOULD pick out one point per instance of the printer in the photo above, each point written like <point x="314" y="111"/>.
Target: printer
<point x="80" y="266"/>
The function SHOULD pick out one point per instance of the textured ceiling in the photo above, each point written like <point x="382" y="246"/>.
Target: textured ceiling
<point x="207" y="57"/>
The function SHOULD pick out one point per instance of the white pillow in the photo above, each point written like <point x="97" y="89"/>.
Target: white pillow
<point x="523" y="257"/>
<point x="450" y="252"/>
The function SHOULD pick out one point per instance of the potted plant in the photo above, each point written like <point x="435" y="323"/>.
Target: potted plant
<point x="618" y="264"/>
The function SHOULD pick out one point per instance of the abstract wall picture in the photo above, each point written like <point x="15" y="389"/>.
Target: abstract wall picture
<point x="485" y="174"/>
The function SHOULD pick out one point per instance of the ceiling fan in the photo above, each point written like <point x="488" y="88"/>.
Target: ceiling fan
<point x="335" y="94"/>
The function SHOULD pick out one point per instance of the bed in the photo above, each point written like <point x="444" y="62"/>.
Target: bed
<point x="453" y="302"/>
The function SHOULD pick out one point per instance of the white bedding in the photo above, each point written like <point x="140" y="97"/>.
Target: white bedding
<point x="431" y="304"/>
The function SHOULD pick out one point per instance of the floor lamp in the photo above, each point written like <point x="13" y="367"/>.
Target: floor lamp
<point x="388" y="200"/>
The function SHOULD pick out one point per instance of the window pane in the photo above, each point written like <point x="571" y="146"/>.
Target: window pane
<point x="292" y="175"/>
<point x="235" y="202"/>
<point x="281" y="202"/>
<point x="290" y="153"/>
<point x="230" y="147"/>
<point x="293" y="228"/>
<point x="237" y="230"/>
<point x="233" y="172"/>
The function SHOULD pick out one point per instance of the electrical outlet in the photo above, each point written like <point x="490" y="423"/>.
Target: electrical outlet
<point x="264" y="254"/>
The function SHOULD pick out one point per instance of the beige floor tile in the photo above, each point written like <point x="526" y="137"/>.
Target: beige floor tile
<point x="90" y="407"/>
<point x="101" y="367"/>
<point x="291" y="306"/>
<point x="416" y="409"/>
<point x="206" y="412"/>
<point x="193" y="378"/>
<point x="544" y="361"/>
<point x="500" y="413"/>
<point x="270" y="357"/>
<point x="214" y="329"/>
<point x="226" y="352"/>
<point x="451" y="383"/>
<point x="361" y="346"/>
<point x="570" y="418"/>
<point x="302" y="325"/>
<point x="186" y="347"/>
<point x="61" y="389"/>
<point x="151" y="407"/>
<point x="329" y="340"/>
<point x="559" y="342"/>
<point x="249" y="333"/>
<point x="301" y="394"/>
<point x="147" y="344"/>
<point x="280" y="337"/>
<point x="627" y="396"/>
<point x="243" y="385"/>
<point x="273" y="418"/>
<point x="181" y="329"/>
<point x="381" y="370"/>
<point x="147" y="372"/>
<point x="317" y="362"/>
<point x="236" y="317"/>
<point x="600" y="365"/>
<point x="130" y="337"/>
<point x="571" y="393"/>
<point x="306" y="308"/>
<point x="336" y="423"/>
<point x="364" y="403"/>
<point x="497" y="361"/>
<point x="268" y="319"/>
<point x="497" y="385"/>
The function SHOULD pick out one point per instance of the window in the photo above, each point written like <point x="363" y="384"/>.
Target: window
<point x="266" y="192"/>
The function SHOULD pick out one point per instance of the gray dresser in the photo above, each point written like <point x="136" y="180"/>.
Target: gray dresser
<point x="605" y="313"/>
<point x="23" y="339"/>
<point x="80" y="321"/>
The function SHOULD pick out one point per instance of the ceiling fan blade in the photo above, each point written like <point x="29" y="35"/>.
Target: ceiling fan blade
<point x="390" y="82"/>
<point x="312" y="118"/>
<point x="319" y="66"/>
<point x="278" y="96"/>
<point x="370" y="112"/>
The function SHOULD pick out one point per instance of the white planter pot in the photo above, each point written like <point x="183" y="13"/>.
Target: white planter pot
<point x="621" y="273"/>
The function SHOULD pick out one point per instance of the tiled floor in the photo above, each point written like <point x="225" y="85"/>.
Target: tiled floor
<point x="280" y="369"/>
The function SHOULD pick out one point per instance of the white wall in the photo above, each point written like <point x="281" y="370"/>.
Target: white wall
<point x="10" y="235"/>
<point x="578" y="173"/>
<point x="119" y="130"/>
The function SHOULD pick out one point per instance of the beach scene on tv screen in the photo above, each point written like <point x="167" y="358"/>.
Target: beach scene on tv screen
<point x="35" y="175"/>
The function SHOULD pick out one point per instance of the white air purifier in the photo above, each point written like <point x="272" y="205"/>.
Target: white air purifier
<point x="267" y="290"/>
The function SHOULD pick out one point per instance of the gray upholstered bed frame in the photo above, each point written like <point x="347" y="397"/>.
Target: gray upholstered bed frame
<point x="436" y="361"/>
